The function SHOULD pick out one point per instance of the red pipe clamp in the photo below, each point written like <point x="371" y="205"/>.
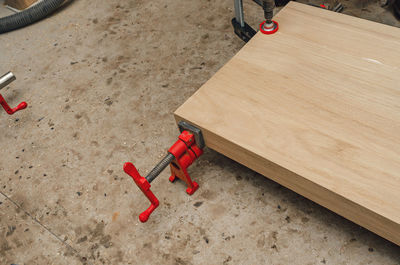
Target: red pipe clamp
<point x="180" y="156"/>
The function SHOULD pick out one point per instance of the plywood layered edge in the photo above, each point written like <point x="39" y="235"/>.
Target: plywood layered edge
<point x="356" y="213"/>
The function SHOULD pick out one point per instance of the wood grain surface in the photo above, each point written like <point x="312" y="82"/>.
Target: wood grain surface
<point x="316" y="108"/>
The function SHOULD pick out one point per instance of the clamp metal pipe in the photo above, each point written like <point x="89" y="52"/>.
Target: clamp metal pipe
<point x="6" y="79"/>
<point x="239" y="15"/>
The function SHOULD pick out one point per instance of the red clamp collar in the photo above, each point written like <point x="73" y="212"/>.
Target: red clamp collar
<point x="271" y="31"/>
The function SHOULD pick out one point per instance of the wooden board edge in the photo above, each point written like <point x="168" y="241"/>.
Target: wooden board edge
<point x="352" y="211"/>
<point x="20" y="4"/>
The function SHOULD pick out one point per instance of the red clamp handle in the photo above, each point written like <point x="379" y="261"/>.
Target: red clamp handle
<point x="144" y="185"/>
<point x="9" y="110"/>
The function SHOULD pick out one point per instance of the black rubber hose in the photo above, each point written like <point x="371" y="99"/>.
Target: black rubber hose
<point x="29" y="15"/>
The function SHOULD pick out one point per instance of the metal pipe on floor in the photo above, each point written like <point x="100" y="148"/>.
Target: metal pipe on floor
<point x="6" y="79"/>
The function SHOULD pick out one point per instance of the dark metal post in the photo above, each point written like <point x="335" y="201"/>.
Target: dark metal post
<point x="239" y="15"/>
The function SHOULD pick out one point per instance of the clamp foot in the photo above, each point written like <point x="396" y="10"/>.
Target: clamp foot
<point x="190" y="191"/>
<point x="172" y="179"/>
<point x="180" y="171"/>
<point x="245" y="33"/>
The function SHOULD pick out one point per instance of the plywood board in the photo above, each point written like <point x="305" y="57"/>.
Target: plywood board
<point x="316" y="108"/>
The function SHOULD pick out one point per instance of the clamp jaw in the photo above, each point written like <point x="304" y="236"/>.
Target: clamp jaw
<point x="4" y="81"/>
<point x="246" y="32"/>
<point x="180" y="156"/>
<point x="268" y="26"/>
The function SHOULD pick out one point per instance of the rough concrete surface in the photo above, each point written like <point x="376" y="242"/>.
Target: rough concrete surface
<point x="102" y="79"/>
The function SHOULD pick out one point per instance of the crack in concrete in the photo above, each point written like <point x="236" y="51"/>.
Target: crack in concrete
<point x="44" y="227"/>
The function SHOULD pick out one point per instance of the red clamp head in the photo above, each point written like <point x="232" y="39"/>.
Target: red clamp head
<point x="185" y="151"/>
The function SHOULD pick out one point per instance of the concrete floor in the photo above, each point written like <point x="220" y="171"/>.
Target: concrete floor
<point x="102" y="79"/>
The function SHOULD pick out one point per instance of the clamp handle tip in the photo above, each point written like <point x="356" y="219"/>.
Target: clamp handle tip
<point x="144" y="216"/>
<point x="21" y="106"/>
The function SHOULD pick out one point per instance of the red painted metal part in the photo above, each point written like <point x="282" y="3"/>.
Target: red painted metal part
<point x="185" y="152"/>
<point x="144" y="185"/>
<point x="269" y="32"/>
<point x="9" y="110"/>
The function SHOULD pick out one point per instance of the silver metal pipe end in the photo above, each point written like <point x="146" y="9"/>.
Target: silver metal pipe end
<point x="6" y="79"/>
